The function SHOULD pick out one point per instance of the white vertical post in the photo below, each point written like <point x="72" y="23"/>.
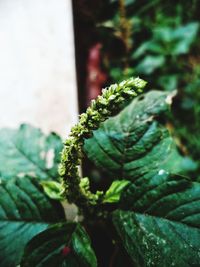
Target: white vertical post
<point x="37" y="65"/>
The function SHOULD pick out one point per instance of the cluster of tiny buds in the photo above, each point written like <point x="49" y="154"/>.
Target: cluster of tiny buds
<point x="99" y="110"/>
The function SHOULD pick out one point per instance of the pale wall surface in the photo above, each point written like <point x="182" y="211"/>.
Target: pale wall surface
<point x="37" y="68"/>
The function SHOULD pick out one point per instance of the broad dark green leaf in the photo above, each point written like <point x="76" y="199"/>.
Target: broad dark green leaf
<point x="25" y="210"/>
<point x="27" y="151"/>
<point x="134" y="143"/>
<point x="60" y="245"/>
<point x="161" y="226"/>
<point x="143" y="192"/>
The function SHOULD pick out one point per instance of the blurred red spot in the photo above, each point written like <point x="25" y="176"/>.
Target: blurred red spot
<point x="66" y="251"/>
<point x="96" y="76"/>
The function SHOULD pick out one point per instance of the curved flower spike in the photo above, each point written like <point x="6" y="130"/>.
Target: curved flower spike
<point x="100" y="109"/>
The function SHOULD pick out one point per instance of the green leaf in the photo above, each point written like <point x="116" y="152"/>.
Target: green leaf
<point x="150" y="63"/>
<point x="168" y="82"/>
<point x="165" y="41"/>
<point x="161" y="226"/>
<point x="178" y="40"/>
<point x="113" y="194"/>
<point x="60" y="245"/>
<point x="53" y="189"/>
<point x="81" y="247"/>
<point x="134" y="143"/>
<point x="148" y="46"/>
<point x="27" y="151"/>
<point x="25" y="211"/>
<point x="143" y="192"/>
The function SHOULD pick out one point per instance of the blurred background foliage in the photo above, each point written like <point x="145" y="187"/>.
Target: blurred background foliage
<point x="156" y="40"/>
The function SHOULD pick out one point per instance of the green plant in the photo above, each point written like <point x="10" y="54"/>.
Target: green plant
<point x="151" y="213"/>
<point x="158" y="40"/>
